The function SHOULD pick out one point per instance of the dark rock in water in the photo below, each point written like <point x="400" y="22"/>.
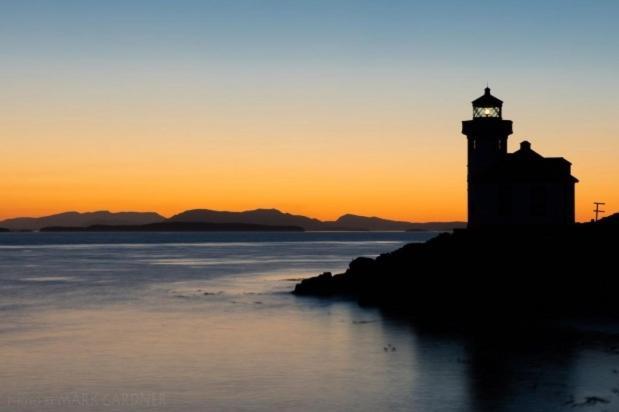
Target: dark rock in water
<point x="320" y="285"/>
<point x="489" y="274"/>
<point x="2" y="229"/>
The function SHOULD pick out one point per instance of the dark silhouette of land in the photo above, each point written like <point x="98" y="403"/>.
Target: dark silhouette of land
<point x="522" y="272"/>
<point x="82" y="219"/>
<point x="3" y="229"/>
<point x="177" y="227"/>
<point x="258" y="216"/>
<point x="614" y="218"/>
<point x="264" y="217"/>
<point x="276" y="217"/>
<point x="376" y="223"/>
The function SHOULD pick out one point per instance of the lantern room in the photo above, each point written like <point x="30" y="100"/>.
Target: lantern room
<point x="487" y="106"/>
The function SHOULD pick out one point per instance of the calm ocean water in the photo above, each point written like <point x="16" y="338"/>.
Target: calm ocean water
<point x="204" y="322"/>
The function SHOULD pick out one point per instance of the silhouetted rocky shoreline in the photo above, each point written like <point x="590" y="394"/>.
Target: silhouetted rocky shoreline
<point x="525" y="272"/>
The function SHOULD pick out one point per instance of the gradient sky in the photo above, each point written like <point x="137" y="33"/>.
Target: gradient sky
<point x="314" y="107"/>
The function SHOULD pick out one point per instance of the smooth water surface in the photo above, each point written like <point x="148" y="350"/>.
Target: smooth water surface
<point x="205" y="322"/>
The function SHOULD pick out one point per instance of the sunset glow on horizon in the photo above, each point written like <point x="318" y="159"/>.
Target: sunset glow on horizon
<point x="318" y="109"/>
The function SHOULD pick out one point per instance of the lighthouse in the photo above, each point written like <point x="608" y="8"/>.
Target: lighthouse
<point x="519" y="188"/>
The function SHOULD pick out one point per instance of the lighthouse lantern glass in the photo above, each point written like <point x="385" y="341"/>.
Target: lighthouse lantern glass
<point x="486" y="112"/>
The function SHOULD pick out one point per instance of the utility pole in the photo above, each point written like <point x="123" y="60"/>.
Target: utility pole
<point x="597" y="209"/>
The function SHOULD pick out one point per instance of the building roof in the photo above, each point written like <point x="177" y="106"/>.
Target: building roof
<point x="487" y="100"/>
<point x="526" y="165"/>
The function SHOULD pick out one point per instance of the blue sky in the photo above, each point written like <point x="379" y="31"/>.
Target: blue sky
<point x="516" y="32"/>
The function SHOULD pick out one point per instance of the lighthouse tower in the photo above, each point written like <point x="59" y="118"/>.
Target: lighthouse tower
<point x="486" y="137"/>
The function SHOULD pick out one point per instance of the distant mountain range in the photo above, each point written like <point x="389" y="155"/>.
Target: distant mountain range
<point x="168" y="226"/>
<point x="263" y="217"/>
<point x="82" y="219"/>
<point x="256" y="217"/>
<point x="276" y="217"/>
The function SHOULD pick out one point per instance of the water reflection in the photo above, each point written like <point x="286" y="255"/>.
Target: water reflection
<point x="275" y="351"/>
<point x="549" y="367"/>
<point x="133" y="336"/>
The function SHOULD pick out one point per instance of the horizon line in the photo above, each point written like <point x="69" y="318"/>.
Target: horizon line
<point x="168" y="216"/>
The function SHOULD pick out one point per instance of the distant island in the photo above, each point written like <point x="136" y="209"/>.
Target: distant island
<point x="266" y="218"/>
<point x="177" y="227"/>
<point x="81" y="220"/>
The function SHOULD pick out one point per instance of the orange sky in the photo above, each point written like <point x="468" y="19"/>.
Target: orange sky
<point x="321" y="154"/>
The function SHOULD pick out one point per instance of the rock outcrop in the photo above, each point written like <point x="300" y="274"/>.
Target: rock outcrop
<point x="526" y="271"/>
